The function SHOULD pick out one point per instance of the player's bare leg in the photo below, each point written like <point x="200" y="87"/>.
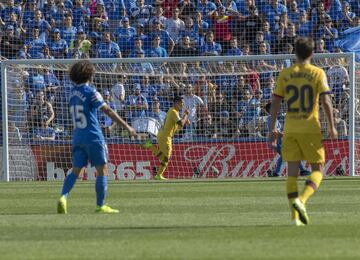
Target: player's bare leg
<point x="101" y="190"/>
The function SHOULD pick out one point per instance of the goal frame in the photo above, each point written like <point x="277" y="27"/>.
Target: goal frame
<point x="350" y="57"/>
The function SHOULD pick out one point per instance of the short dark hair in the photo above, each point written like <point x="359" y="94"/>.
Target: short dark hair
<point x="178" y="99"/>
<point x="82" y="72"/>
<point x="304" y="47"/>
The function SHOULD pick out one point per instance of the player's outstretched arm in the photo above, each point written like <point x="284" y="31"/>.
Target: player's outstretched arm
<point x="275" y="107"/>
<point x="327" y="104"/>
<point x="116" y="118"/>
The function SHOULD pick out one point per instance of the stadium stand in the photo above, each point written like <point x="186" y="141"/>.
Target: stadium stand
<point x="223" y="106"/>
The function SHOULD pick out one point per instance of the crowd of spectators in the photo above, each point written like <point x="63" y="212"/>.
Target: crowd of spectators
<point x="226" y="99"/>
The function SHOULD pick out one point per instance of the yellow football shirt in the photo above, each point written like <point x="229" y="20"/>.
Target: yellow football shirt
<point x="171" y="124"/>
<point x="301" y="86"/>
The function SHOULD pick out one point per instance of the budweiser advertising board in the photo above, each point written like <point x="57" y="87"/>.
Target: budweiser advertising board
<point x="188" y="160"/>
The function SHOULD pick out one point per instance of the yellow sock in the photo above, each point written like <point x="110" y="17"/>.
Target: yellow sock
<point x="311" y="185"/>
<point x="162" y="168"/>
<point x="292" y="193"/>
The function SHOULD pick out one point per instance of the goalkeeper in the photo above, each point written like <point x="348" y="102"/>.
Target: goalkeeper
<point x="172" y="123"/>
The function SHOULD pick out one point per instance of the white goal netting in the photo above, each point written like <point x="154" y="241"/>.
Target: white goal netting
<point x="226" y="97"/>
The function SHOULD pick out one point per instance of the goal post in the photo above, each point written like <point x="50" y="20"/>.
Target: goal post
<point x="226" y="97"/>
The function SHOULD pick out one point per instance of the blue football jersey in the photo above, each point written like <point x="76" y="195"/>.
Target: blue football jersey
<point x="84" y="101"/>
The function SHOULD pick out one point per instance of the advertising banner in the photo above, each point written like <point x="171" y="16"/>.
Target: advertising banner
<point x="188" y="160"/>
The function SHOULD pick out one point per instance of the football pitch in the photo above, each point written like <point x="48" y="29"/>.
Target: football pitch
<point x="241" y="219"/>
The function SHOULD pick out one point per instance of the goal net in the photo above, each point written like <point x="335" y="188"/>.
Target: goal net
<point x="226" y="96"/>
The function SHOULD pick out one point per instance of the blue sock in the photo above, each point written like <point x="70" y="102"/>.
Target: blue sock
<point x="278" y="166"/>
<point x="68" y="184"/>
<point x="101" y="189"/>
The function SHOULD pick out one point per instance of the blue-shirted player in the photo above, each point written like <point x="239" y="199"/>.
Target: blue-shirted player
<point x="88" y="141"/>
<point x="277" y="148"/>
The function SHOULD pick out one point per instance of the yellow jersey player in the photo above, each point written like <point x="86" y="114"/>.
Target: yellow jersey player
<point x="173" y="122"/>
<point x="302" y="85"/>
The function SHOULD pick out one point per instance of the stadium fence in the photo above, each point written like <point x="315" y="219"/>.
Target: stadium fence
<point x="225" y="95"/>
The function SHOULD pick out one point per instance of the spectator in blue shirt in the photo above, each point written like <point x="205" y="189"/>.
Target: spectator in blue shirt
<point x="294" y="12"/>
<point x="116" y="11"/>
<point x="251" y="117"/>
<point x="41" y="132"/>
<point x="141" y="12"/>
<point x="187" y="8"/>
<point x="166" y="42"/>
<point x="36" y="83"/>
<point x="46" y="53"/>
<point x="10" y="8"/>
<point x="38" y="22"/>
<point x="68" y="31"/>
<point x="36" y="45"/>
<point x="68" y="4"/>
<point x="156" y="50"/>
<point x="94" y="39"/>
<point x="317" y="14"/>
<point x="191" y="31"/>
<point x="273" y="11"/>
<point x="124" y="34"/>
<point x="23" y="53"/>
<point x="265" y="67"/>
<point x="136" y="104"/>
<point x="138" y="47"/>
<point x="268" y="36"/>
<point x="345" y="18"/>
<point x="207" y="9"/>
<point x="157" y="16"/>
<point x="141" y="67"/>
<point x="139" y="35"/>
<point x="328" y="33"/>
<point x="108" y="48"/>
<point x="29" y="12"/>
<point x="58" y="17"/>
<point x="58" y="47"/>
<point x="210" y="47"/>
<point x="51" y="84"/>
<point x="156" y="112"/>
<point x="17" y="24"/>
<point x="268" y="89"/>
<point x="335" y="9"/>
<point x="81" y="14"/>
<point x="49" y="10"/>
<point x="201" y="26"/>
<point x="243" y="7"/>
<point x="234" y="49"/>
<point x="303" y="5"/>
<point x="304" y="26"/>
<point x="147" y="89"/>
<point x="105" y="121"/>
<point x="259" y="38"/>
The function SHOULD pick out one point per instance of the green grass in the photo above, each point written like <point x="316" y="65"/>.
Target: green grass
<point x="179" y="220"/>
